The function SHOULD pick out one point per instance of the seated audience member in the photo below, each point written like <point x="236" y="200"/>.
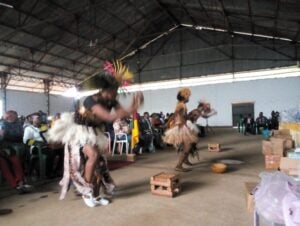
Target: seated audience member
<point x="162" y="117"/>
<point x="145" y="135"/>
<point x="122" y="126"/>
<point x="249" y="125"/>
<point x="261" y="123"/>
<point x="11" y="134"/>
<point x="12" y="170"/>
<point x="158" y="130"/>
<point x="11" y="128"/>
<point x="35" y="138"/>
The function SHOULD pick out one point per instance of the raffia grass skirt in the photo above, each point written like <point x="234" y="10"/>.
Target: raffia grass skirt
<point x="178" y="135"/>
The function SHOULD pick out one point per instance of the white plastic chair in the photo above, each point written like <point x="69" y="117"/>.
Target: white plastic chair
<point x="109" y="141"/>
<point x="120" y="139"/>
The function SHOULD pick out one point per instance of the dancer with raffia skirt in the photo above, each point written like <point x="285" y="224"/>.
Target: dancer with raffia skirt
<point x="82" y="133"/>
<point x="180" y="133"/>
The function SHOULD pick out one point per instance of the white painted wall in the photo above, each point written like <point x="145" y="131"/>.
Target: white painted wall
<point x="267" y="94"/>
<point x="25" y="102"/>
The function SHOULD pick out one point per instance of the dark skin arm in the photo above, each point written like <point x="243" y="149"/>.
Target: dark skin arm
<point x="120" y="112"/>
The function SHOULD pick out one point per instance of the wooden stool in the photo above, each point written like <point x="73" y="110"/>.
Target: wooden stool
<point x="165" y="184"/>
<point x="214" y="147"/>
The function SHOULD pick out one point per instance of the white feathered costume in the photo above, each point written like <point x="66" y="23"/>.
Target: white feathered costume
<point x="74" y="137"/>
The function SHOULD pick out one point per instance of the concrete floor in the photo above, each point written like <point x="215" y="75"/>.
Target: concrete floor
<point x="207" y="199"/>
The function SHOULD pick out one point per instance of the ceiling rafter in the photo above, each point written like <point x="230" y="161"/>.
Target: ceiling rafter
<point x="27" y="16"/>
<point x="52" y="3"/>
<point x="226" y="18"/>
<point x="269" y="48"/>
<point x="207" y="16"/>
<point x="170" y="15"/>
<point x="251" y="16"/>
<point x="295" y="38"/>
<point x="194" y="22"/>
<point x="276" y="17"/>
<point x="35" y="63"/>
<point x="51" y="75"/>
<point x="45" y="52"/>
<point x="187" y="12"/>
<point x="43" y="38"/>
<point x="107" y="11"/>
<point x="263" y="27"/>
<point x="63" y="29"/>
<point x="154" y="26"/>
<point x="88" y="62"/>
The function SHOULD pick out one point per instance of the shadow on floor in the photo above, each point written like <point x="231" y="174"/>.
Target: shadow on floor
<point x="132" y="188"/>
<point x="189" y="186"/>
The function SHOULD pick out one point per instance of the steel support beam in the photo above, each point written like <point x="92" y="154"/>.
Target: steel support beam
<point x="47" y="94"/>
<point x="155" y="53"/>
<point x="170" y="15"/>
<point x="51" y="2"/>
<point x="28" y="49"/>
<point x="4" y="82"/>
<point x="46" y="73"/>
<point x="251" y="16"/>
<point x="194" y="22"/>
<point x="62" y="29"/>
<point x="209" y="19"/>
<point x="154" y="26"/>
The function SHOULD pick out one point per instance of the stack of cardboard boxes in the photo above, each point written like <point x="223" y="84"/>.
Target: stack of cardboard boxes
<point x="279" y="154"/>
<point x="276" y="147"/>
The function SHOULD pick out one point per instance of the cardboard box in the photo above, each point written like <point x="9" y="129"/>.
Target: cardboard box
<point x="267" y="148"/>
<point x="281" y="132"/>
<point x="290" y="166"/>
<point x="272" y="162"/>
<point x="278" y="146"/>
<point x="249" y="195"/>
<point x="283" y="136"/>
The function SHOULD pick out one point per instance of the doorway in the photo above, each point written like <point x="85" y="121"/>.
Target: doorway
<point x="241" y="109"/>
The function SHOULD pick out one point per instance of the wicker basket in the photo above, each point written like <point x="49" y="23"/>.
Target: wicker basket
<point x="218" y="168"/>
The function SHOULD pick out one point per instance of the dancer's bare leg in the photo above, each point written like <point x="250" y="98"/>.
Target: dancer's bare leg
<point x="183" y="156"/>
<point x="92" y="157"/>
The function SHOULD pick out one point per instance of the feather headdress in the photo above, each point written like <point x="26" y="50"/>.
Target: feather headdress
<point x="184" y="92"/>
<point x="115" y="75"/>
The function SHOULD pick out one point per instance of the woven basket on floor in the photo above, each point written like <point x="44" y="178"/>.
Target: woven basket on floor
<point x="218" y="168"/>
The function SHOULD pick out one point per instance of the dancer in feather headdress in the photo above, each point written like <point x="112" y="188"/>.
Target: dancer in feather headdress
<point x="181" y="133"/>
<point x="82" y="133"/>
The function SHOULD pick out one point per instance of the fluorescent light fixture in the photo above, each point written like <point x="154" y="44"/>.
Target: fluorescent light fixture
<point x="6" y="5"/>
<point x="74" y="93"/>
<point x="293" y="71"/>
<point x="283" y="72"/>
<point x="237" y="32"/>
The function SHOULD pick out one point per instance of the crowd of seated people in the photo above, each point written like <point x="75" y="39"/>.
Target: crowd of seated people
<point x="12" y="152"/>
<point x="20" y="137"/>
<point x="35" y="137"/>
